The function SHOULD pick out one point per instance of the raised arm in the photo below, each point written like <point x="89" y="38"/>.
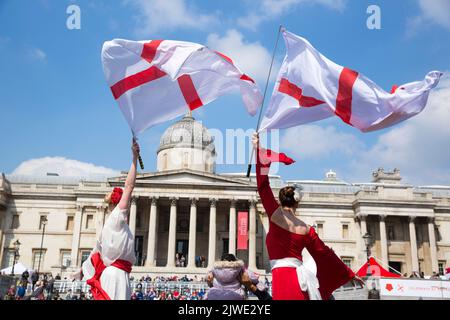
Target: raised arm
<point x="131" y="179"/>
<point x="262" y="179"/>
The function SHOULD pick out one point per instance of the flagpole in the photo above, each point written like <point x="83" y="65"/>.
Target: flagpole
<point x="141" y="163"/>
<point x="249" y="169"/>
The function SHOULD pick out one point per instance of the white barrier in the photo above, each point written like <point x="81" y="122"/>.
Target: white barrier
<point x="414" y="288"/>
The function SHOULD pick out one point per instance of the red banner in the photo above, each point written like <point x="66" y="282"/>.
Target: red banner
<point x="242" y="230"/>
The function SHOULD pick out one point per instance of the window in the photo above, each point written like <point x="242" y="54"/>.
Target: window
<point x="348" y="262"/>
<point x="390" y="232"/>
<point x="69" y="224"/>
<point x="84" y="255"/>
<point x="441" y="266"/>
<point x="9" y="258"/>
<point x="89" y="221"/>
<point x="320" y="230"/>
<point x="65" y="258"/>
<point x="15" y="222"/>
<point x="42" y="221"/>
<point x="345" y="231"/>
<point x="38" y="259"/>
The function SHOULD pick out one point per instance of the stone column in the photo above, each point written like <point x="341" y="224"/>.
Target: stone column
<point x="384" y="246"/>
<point x="192" y="233"/>
<point x="362" y="222"/>
<point x="433" y="248"/>
<point x="362" y="256"/>
<point x="100" y="216"/>
<point x="76" y="237"/>
<point x="212" y="233"/>
<point x="413" y="241"/>
<point x="133" y="212"/>
<point x="172" y="233"/>
<point x="151" y="245"/>
<point x="232" y="228"/>
<point x="252" y="236"/>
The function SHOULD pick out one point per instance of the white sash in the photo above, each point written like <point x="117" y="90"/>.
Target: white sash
<point x="306" y="279"/>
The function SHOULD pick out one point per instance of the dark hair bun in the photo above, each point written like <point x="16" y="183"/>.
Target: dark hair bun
<point x="287" y="197"/>
<point x="290" y="192"/>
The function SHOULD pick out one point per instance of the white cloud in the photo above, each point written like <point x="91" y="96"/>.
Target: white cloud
<point x="251" y="57"/>
<point x="437" y="11"/>
<point x="162" y="15"/>
<point x="315" y="142"/>
<point x="432" y="11"/>
<point x="271" y="9"/>
<point x="61" y="166"/>
<point x="37" y="54"/>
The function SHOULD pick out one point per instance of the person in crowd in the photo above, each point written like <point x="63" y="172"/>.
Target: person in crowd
<point x="38" y="293"/>
<point x="203" y="261"/>
<point x="374" y="294"/>
<point x="58" y="277"/>
<point x="25" y="275"/>
<point x="288" y="236"/>
<point x="22" y="289"/>
<point x="182" y="261"/>
<point x="11" y="294"/>
<point x="107" y="270"/>
<point x="177" y="260"/>
<point x="34" y="279"/>
<point x="50" y="287"/>
<point x="224" y="279"/>
<point x="139" y="294"/>
<point x="253" y="285"/>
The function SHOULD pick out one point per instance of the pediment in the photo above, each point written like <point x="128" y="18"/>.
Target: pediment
<point x="185" y="176"/>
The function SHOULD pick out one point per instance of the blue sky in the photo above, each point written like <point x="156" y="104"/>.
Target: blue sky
<point x="55" y="101"/>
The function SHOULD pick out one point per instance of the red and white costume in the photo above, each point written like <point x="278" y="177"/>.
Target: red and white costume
<point x="108" y="268"/>
<point x="291" y="280"/>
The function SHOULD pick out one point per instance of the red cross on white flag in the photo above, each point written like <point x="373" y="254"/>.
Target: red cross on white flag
<point x="311" y="87"/>
<point x="156" y="81"/>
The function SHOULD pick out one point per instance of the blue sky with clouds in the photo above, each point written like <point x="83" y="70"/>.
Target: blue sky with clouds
<point x="55" y="102"/>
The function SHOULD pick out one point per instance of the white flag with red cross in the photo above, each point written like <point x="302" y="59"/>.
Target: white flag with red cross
<point x="158" y="80"/>
<point x="311" y="87"/>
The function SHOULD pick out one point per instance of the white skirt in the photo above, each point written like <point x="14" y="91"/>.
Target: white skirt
<point x="116" y="283"/>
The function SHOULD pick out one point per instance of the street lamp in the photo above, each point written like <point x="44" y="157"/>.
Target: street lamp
<point x="44" y="223"/>
<point x="368" y="240"/>
<point x="16" y="254"/>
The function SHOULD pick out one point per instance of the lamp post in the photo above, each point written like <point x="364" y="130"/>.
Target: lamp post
<point x="368" y="240"/>
<point x="44" y="223"/>
<point x="16" y="254"/>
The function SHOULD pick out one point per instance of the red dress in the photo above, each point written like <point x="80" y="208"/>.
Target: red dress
<point x="281" y="243"/>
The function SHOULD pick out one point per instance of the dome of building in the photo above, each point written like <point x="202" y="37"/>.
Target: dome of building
<point x="186" y="144"/>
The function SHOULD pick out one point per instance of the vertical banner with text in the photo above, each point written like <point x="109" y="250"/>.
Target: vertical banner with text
<point x="242" y="230"/>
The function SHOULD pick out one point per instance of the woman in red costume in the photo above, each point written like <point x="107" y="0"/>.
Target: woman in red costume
<point x="108" y="267"/>
<point x="286" y="239"/>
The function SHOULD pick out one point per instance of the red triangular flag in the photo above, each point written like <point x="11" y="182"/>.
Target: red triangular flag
<point x="267" y="155"/>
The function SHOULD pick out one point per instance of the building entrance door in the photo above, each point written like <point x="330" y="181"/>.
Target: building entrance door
<point x="138" y="247"/>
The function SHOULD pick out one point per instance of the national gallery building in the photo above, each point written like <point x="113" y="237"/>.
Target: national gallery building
<point x="185" y="207"/>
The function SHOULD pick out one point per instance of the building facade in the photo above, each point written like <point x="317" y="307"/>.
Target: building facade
<point x="186" y="207"/>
